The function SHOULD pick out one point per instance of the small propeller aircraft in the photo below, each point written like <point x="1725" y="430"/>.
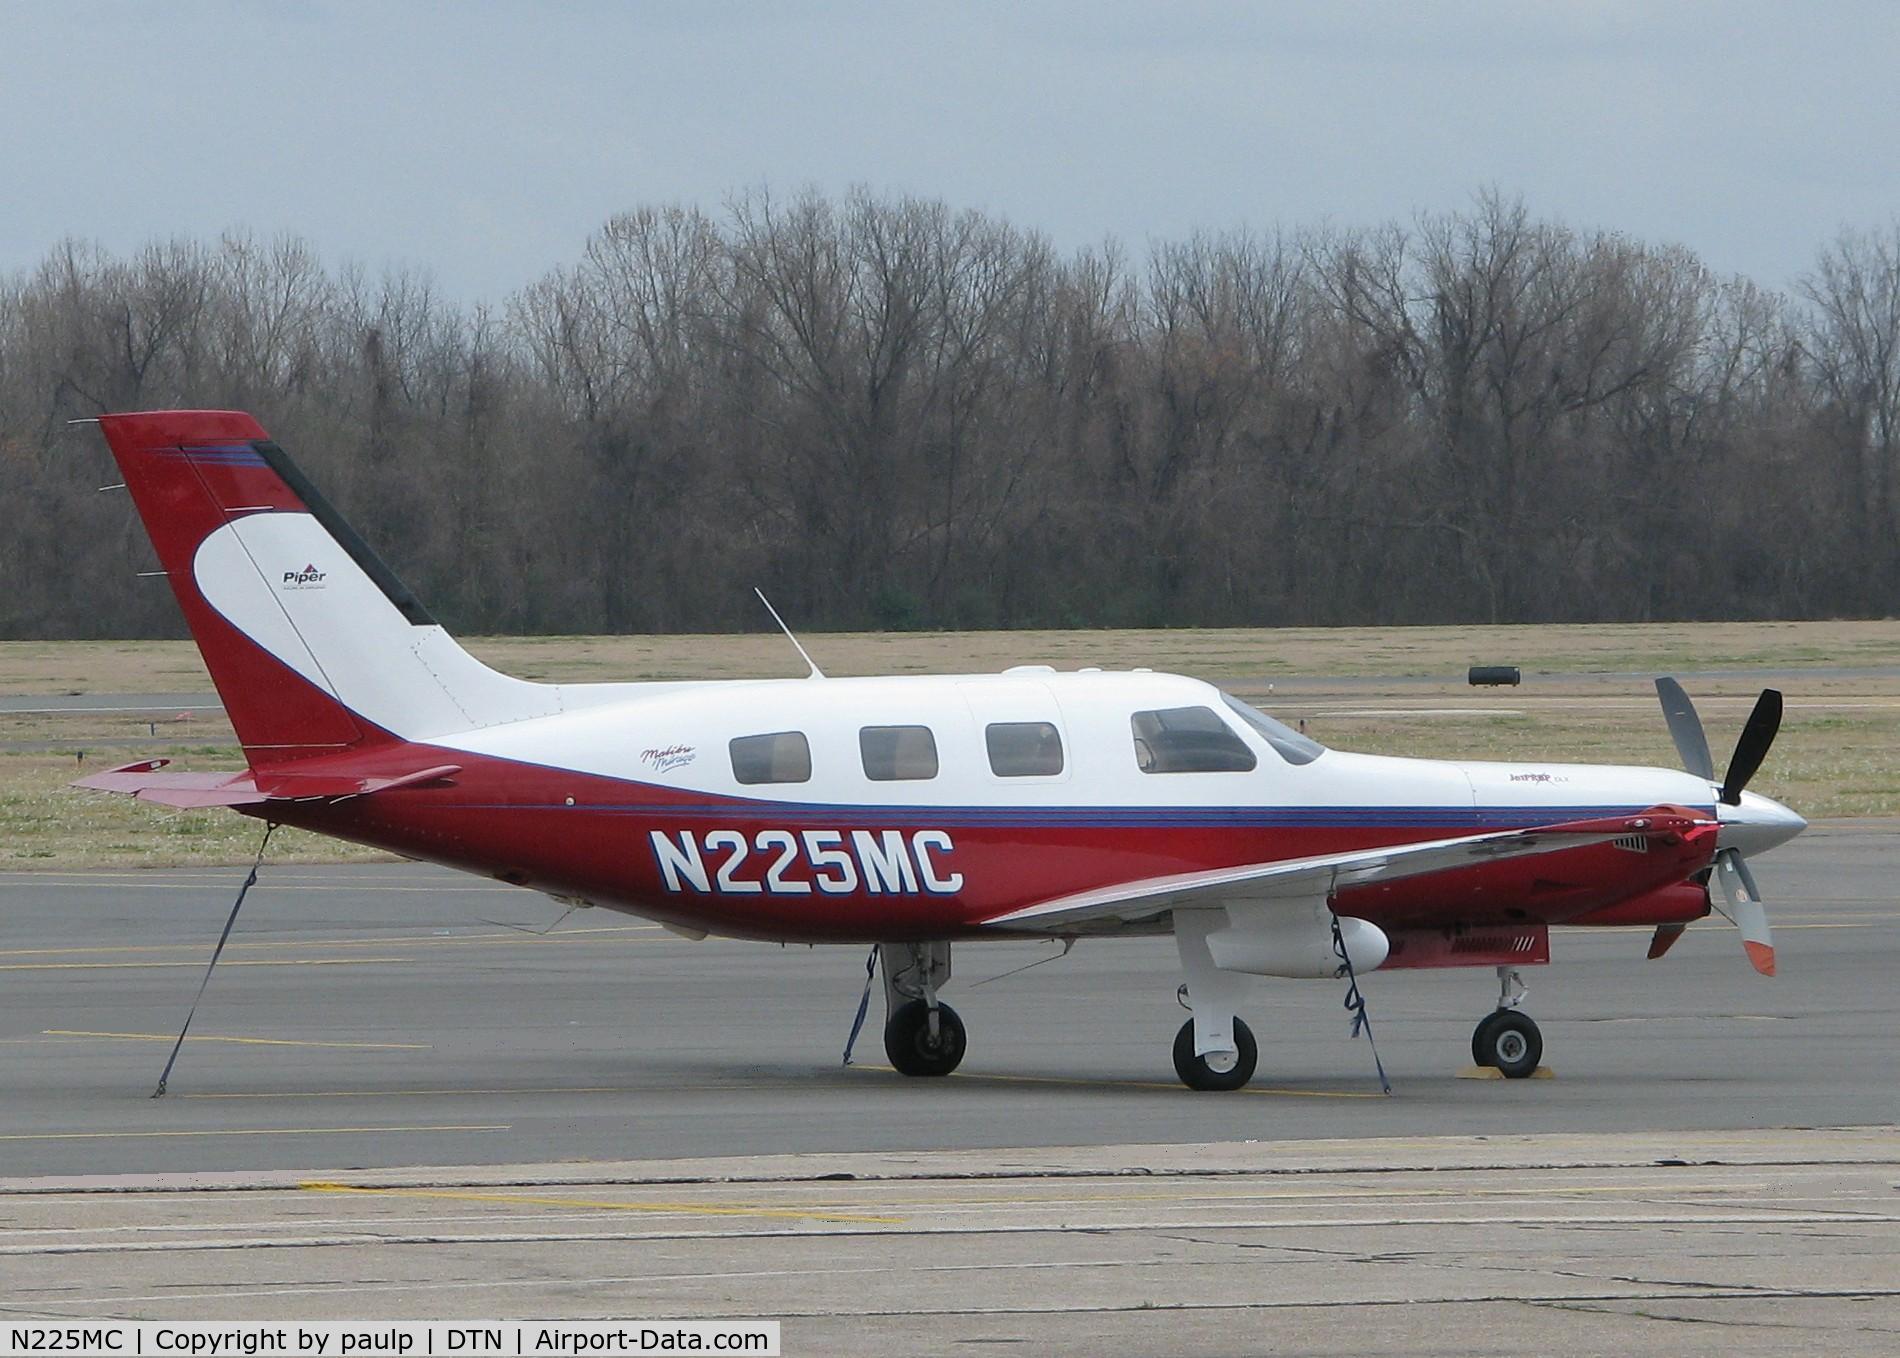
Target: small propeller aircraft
<point x="908" y="813"/>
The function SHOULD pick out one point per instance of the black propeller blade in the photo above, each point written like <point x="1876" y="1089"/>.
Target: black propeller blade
<point x="1752" y="748"/>
<point x="1685" y="728"/>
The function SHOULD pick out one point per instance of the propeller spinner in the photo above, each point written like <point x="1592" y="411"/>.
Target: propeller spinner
<point x="1749" y="821"/>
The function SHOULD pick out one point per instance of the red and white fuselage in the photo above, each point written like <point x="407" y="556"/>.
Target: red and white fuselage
<point x="887" y="810"/>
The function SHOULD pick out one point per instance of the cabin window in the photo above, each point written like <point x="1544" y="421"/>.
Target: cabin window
<point x="896" y="753"/>
<point x="1023" y="749"/>
<point x="1188" y="740"/>
<point x="781" y="757"/>
<point x="1289" y="744"/>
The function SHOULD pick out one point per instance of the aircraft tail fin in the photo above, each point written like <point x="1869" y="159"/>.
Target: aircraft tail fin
<point x="315" y="646"/>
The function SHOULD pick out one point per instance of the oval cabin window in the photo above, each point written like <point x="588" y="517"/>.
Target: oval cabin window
<point x="780" y="757"/>
<point x="897" y="753"/>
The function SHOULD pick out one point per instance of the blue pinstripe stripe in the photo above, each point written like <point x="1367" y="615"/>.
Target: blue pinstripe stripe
<point x="230" y="455"/>
<point x="1125" y="817"/>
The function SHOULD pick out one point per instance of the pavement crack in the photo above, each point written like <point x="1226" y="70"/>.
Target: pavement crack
<point x="1353" y="1256"/>
<point x="1611" y="1308"/>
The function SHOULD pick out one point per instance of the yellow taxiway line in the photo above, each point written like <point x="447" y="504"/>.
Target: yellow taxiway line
<point x="246" y="1041"/>
<point x="432" y="940"/>
<point x="256" y="1131"/>
<point x="1199" y="1191"/>
<point x="1268" y="1091"/>
<point x="441" y="1093"/>
<point x="255" y="962"/>
<point x="670" y="1208"/>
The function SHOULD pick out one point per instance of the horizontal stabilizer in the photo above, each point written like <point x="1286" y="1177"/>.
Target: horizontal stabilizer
<point x="144" y="781"/>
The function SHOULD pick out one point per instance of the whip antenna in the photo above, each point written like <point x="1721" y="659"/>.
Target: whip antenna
<point x="816" y="673"/>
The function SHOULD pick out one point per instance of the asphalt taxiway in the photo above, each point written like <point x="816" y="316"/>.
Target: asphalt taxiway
<point x="624" y="1124"/>
<point x="1761" y="1243"/>
<point x="389" y="1014"/>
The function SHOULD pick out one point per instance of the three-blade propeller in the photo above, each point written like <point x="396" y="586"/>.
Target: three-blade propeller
<point x="1745" y="909"/>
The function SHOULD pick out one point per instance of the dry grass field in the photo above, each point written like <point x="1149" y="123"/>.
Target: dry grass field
<point x="1586" y="696"/>
<point x="1215" y="653"/>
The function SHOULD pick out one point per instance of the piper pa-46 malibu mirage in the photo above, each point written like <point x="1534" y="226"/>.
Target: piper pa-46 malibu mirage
<point x="909" y="812"/>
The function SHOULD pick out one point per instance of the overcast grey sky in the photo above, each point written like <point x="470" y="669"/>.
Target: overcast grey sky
<point x="485" y="141"/>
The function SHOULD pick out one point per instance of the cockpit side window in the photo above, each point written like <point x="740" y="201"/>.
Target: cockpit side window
<point x="1289" y="744"/>
<point x="1188" y="740"/>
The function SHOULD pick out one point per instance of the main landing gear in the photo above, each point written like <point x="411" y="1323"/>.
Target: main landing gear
<point x="922" y="1036"/>
<point x="1215" y="1070"/>
<point x="1214" y="1050"/>
<point x="1507" y="1038"/>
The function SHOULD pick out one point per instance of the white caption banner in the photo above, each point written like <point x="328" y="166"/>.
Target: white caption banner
<point x="396" y="1339"/>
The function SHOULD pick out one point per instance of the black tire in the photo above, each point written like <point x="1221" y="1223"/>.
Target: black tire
<point x="1481" y="1037"/>
<point x="1508" y="1040"/>
<point x="908" y="1043"/>
<point x="1194" y="1071"/>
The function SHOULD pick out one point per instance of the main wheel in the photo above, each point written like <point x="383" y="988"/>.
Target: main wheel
<point x="1510" y="1041"/>
<point x="907" y="1039"/>
<point x="1213" y="1071"/>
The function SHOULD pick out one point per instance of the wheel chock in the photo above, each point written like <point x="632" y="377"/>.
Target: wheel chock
<point x="1493" y="1073"/>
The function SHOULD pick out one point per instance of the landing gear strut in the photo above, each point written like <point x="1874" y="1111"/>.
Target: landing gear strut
<point x="1214" y="1049"/>
<point x="921" y="1035"/>
<point x="1507" y="1038"/>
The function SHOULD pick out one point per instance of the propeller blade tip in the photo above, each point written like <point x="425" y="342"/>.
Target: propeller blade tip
<point x="1663" y="939"/>
<point x="1762" y="955"/>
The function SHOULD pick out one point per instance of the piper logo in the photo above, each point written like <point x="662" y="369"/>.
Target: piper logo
<point x="307" y="578"/>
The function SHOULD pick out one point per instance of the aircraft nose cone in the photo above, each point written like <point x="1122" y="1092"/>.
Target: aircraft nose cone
<point x="1757" y="825"/>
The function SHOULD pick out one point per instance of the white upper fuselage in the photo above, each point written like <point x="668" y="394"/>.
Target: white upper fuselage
<point x="678" y="736"/>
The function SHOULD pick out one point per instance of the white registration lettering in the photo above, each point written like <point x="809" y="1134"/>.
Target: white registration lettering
<point x="787" y="845"/>
<point x="821" y="847"/>
<point x="887" y="865"/>
<point x="921" y="844"/>
<point x="730" y="839"/>
<point x="881" y="862"/>
<point x="681" y="860"/>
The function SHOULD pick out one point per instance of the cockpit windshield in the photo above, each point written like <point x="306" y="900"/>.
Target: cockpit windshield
<point x="1289" y="744"/>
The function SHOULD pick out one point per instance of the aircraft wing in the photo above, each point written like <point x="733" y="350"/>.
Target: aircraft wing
<point x="145" y="782"/>
<point x="1320" y="876"/>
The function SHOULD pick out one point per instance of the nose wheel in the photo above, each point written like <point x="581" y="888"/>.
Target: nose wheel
<point x="1510" y="1041"/>
<point x="1507" y="1038"/>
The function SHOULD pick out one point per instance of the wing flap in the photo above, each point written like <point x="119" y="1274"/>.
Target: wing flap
<point x="1321" y="875"/>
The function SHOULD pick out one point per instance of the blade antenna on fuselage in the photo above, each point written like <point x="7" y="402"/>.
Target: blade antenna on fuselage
<point x="816" y="673"/>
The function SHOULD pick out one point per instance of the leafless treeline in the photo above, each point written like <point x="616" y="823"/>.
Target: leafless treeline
<point x="893" y="414"/>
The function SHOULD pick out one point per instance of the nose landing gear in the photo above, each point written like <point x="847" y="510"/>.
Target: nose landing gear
<point x="1507" y="1038"/>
